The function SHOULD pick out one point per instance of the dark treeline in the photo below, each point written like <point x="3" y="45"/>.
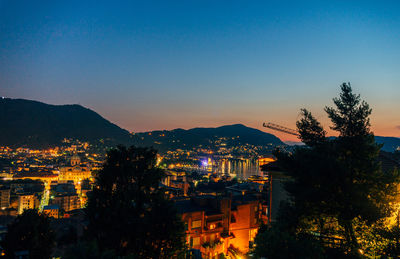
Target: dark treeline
<point x="340" y="198"/>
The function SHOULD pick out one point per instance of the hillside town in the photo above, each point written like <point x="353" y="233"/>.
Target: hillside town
<point x="199" y="129"/>
<point x="221" y="212"/>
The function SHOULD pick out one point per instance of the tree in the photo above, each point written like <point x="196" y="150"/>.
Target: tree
<point x="88" y="250"/>
<point x="338" y="182"/>
<point x="30" y="232"/>
<point x="282" y="239"/>
<point x="128" y="212"/>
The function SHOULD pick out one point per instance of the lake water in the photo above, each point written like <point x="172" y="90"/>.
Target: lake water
<point x="240" y="168"/>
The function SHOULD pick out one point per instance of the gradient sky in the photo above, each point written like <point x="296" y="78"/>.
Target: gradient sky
<point x="166" y="64"/>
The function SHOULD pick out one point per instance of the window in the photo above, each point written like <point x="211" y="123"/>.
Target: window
<point x="212" y="237"/>
<point x="195" y="241"/>
<point x="212" y="226"/>
<point x="196" y="223"/>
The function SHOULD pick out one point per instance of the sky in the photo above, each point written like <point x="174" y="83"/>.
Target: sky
<point x="151" y="65"/>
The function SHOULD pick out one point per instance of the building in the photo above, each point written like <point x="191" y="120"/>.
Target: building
<point x="67" y="202"/>
<point x="76" y="172"/>
<point x="217" y="225"/>
<point x="43" y="175"/>
<point x="64" y="194"/>
<point x="175" y="184"/>
<point x="52" y="210"/>
<point x="86" y="187"/>
<point x="27" y="201"/>
<point x="5" y="198"/>
<point x="277" y="192"/>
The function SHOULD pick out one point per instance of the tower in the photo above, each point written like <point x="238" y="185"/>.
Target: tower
<point x="75" y="160"/>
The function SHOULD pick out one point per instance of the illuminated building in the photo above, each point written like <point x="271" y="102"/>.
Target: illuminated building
<point x="67" y="202"/>
<point x="51" y="210"/>
<point x="216" y="225"/>
<point x="175" y="184"/>
<point x="65" y="196"/>
<point x="85" y="188"/>
<point x="27" y="201"/>
<point x="43" y="176"/>
<point x="266" y="160"/>
<point x="5" y="198"/>
<point x="75" y="172"/>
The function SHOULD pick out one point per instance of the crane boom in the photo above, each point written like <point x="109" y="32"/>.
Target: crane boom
<point x="280" y="128"/>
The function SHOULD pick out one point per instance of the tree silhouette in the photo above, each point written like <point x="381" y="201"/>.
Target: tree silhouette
<point x="29" y="232"/>
<point x="128" y="212"/>
<point x="337" y="183"/>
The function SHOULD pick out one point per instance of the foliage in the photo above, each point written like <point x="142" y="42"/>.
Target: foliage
<point x="127" y="211"/>
<point x="212" y="244"/>
<point x="30" y="232"/>
<point x="310" y="129"/>
<point x="337" y="186"/>
<point x="273" y="242"/>
<point x="87" y="250"/>
<point x="392" y="245"/>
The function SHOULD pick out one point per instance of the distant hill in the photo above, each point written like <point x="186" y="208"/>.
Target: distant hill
<point x="390" y="144"/>
<point x="35" y="124"/>
<point x="206" y="137"/>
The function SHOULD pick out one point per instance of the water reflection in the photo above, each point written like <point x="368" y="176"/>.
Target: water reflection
<point x="240" y="168"/>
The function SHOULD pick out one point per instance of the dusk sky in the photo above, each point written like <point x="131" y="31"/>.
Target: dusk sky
<point x="152" y="65"/>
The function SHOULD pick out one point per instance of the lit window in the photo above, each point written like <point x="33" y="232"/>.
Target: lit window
<point x="196" y="241"/>
<point x="212" y="226"/>
<point x="196" y="223"/>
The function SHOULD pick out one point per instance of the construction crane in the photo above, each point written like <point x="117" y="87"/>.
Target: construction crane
<point x="280" y="128"/>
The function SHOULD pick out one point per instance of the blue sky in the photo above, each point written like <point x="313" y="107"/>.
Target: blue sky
<point x="167" y="64"/>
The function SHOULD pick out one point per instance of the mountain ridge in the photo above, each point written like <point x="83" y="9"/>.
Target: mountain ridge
<point x="235" y="134"/>
<point x="36" y="124"/>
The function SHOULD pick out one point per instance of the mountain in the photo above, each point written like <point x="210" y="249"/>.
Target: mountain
<point x="230" y="135"/>
<point x="390" y="144"/>
<point x="35" y="124"/>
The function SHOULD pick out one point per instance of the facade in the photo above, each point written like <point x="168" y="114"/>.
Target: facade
<point x="64" y="195"/>
<point x="67" y="202"/>
<point x="52" y="210"/>
<point x="277" y="192"/>
<point x="75" y="172"/>
<point x="5" y="198"/>
<point x="27" y="201"/>
<point x="176" y="184"/>
<point x="43" y="176"/>
<point x="218" y="225"/>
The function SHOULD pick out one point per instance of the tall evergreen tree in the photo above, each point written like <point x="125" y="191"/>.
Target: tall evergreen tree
<point x="128" y="212"/>
<point x="337" y="183"/>
<point x="366" y="192"/>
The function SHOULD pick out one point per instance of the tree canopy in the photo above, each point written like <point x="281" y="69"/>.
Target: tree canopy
<point x="128" y="212"/>
<point x="337" y="183"/>
<point x="29" y="232"/>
